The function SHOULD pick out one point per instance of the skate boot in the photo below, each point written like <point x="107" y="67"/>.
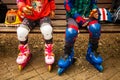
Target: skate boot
<point x="65" y="61"/>
<point x="49" y="56"/>
<point x="95" y="60"/>
<point x="24" y="56"/>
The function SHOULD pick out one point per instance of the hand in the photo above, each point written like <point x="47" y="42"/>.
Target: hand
<point x="94" y="14"/>
<point x="27" y="10"/>
<point x="52" y="14"/>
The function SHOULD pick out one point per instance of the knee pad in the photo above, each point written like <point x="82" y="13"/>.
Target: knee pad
<point x="46" y="31"/>
<point x="22" y="32"/>
<point x="95" y="30"/>
<point x="71" y="34"/>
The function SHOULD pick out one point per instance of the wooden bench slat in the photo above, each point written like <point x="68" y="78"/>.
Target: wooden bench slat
<point x="58" y="1"/>
<point x="105" y="29"/>
<point x="61" y="23"/>
<point x="60" y="17"/>
<point x="99" y="1"/>
<point x="61" y="7"/>
<point x="104" y="5"/>
<point x="104" y="1"/>
<point x="58" y="23"/>
<point x="58" y="7"/>
<point x="60" y="12"/>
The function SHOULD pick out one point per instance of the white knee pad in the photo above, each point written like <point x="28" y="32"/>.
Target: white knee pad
<point x="22" y="33"/>
<point x="46" y="31"/>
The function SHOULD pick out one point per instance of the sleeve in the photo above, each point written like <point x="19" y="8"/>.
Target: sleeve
<point x="20" y="4"/>
<point x="68" y="4"/>
<point x="52" y="4"/>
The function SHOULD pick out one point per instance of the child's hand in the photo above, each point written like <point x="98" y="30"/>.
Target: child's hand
<point x="94" y="14"/>
<point x="27" y="10"/>
<point x="52" y="14"/>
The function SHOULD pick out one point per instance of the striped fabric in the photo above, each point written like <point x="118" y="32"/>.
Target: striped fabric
<point x="105" y="15"/>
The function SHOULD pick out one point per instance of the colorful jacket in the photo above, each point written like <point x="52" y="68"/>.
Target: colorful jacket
<point x="41" y="8"/>
<point x="76" y="8"/>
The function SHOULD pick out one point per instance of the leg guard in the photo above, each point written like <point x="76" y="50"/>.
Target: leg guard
<point x="46" y="30"/>
<point x="94" y="30"/>
<point x="22" y="32"/>
<point x="92" y="55"/>
<point x="71" y="31"/>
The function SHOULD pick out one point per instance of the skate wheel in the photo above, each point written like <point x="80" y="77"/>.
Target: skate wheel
<point x="49" y="67"/>
<point x="20" y="67"/>
<point x="100" y="68"/>
<point x="60" y="71"/>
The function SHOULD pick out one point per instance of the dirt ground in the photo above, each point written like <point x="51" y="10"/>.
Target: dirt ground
<point x="109" y="47"/>
<point x="109" y="44"/>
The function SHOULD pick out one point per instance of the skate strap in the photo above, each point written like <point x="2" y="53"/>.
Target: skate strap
<point x="25" y="53"/>
<point x="73" y="27"/>
<point x="24" y="50"/>
<point x="48" y="49"/>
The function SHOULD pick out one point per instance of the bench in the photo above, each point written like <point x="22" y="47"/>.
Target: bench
<point x="59" y="23"/>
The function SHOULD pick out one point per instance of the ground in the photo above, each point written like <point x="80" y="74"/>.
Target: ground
<point x="109" y="48"/>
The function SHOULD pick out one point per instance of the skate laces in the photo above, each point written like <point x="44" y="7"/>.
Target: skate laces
<point x="48" y="49"/>
<point x="24" y="49"/>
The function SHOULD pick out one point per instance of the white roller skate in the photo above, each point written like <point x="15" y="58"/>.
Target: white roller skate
<point x="49" y="56"/>
<point x="24" y="56"/>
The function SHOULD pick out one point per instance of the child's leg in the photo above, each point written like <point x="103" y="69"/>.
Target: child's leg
<point x="92" y="55"/>
<point x="22" y="34"/>
<point x="47" y="30"/>
<point x="70" y="36"/>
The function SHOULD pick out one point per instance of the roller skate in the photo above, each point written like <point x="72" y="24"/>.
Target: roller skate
<point x="65" y="62"/>
<point x="49" y="56"/>
<point x="96" y="61"/>
<point x="23" y="57"/>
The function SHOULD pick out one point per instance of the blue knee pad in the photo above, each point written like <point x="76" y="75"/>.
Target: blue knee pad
<point x="71" y="35"/>
<point x="95" y="30"/>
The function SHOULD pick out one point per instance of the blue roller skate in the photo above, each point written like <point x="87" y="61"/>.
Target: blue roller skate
<point x="65" y="62"/>
<point x="95" y="61"/>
